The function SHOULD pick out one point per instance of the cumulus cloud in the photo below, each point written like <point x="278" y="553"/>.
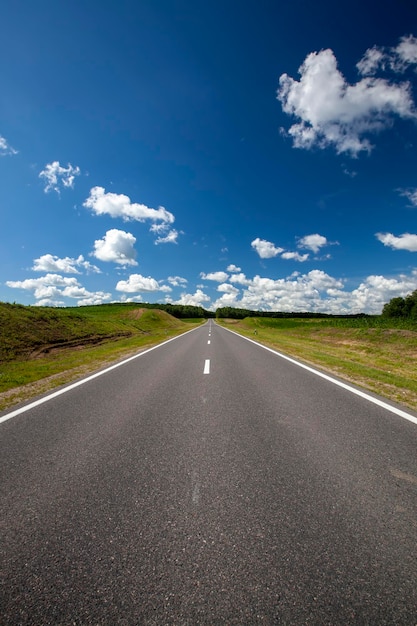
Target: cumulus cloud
<point x="67" y="265"/>
<point x="375" y="291"/>
<point x="116" y="246"/>
<point x="333" y="113"/>
<point x="199" y="298"/>
<point x="55" y="176"/>
<point x="120" y="205"/>
<point x="227" y="288"/>
<point x="176" y="281"/>
<point x="137" y="283"/>
<point x="265" y="249"/>
<point x="219" y="277"/>
<point x="372" y="60"/>
<point x="397" y="59"/>
<point x="294" y="256"/>
<point x="233" y="268"/>
<point x="411" y="194"/>
<point x="170" y="237"/>
<point x="51" y="288"/>
<point x="407" y="241"/>
<point x="313" y="242"/>
<point x="316" y="291"/>
<point x="5" y="148"/>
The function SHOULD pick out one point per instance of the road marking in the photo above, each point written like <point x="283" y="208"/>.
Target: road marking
<point x="208" y="343"/>
<point x="55" y="394"/>
<point x="206" y="366"/>
<point x="339" y="383"/>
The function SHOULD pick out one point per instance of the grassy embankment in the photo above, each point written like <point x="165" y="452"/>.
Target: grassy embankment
<point x="377" y="354"/>
<point x="41" y="348"/>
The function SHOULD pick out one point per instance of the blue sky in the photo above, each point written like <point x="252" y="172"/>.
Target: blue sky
<point x="258" y="154"/>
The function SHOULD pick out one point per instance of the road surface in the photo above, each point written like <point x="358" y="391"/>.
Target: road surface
<point x="208" y="481"/>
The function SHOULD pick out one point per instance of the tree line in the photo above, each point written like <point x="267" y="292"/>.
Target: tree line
<point x="405" y="308"/>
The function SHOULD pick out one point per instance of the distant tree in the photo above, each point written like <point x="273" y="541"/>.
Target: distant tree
<point x="402" y="307"/>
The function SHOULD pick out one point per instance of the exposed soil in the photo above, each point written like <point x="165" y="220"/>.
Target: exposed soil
<point x="75" y="344"/>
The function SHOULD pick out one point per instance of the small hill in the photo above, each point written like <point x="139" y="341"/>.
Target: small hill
<point x="28" y="332"/>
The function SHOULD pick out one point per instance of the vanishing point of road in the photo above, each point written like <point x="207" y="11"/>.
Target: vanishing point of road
<point x="208" y="481"/>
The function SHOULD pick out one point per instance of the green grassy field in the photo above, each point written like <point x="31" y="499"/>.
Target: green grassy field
<point x="374" y="353"/>
<point x="41" y="348"/>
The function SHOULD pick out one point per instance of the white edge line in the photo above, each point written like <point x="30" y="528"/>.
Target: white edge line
<point x="362" y="394"/>
<point x="55" y="394"/>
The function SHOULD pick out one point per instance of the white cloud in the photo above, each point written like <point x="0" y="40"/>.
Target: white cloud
<point x="119" y="205"/>
<point x="397" y="59"/>
<point x="56" y="176"/>
<point x="240" y="279"/>
<point x="117" y="246"/>
<point x="51" y="288"/>
<point x="67" y="265"/>
<point x="411" y="194"/>
<point x="312" y="242"/>
<point x="176" y="281"/>
<point x="199" y="298"/>
<point x="50" y="302"/>
<point x="170" y="237"/>
<point x="233" y="268"/>
<point x="5" y="148"/>
<point x="317" y="291"/>
<point x="294" y="256"/>
<point x="219" y="277"/>
<point x="137" y="282"/>
<point x="265" y="249"/>
<point x="373" y="59"/>
<point x="375" y="291"/>
<point x="226" y="288"/>
<point x="406" y="241"/>
<point x="406" y="52"/>
<point x="45" y="286"/>
<point x="332" y="112"/>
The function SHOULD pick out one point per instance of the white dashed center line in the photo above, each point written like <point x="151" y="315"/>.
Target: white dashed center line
<point x="207" y="367"/>
<point x="208" y="343"/>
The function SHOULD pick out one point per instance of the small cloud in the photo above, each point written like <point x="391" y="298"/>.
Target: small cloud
<point x="294" y="256"/>
<point x="265" y="249"/>
<point x="56" y="176"/>
<point x="226" y="288"/>
<point x="350" y="173"/>
<point x="116" y="246"/>
<point x="5" y="148"/>
<point x="239" y="279"/>
<point x="313" y="242"/>
<point x="199" y="298"/>
<point x="137" y="282"/>
<point x="406" y="241"/>
<point x="67" y="265"/>
<point x="170" y="237"/>
<point x="233" y="268"/>
<point x="411" y="194"/>
<point x="396" y="59"/>
<point x="219" y="277"/>
<point x="176" y="281"/>
<point x="119" y="205"/>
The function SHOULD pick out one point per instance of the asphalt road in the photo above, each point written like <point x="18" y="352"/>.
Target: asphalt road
<point x="208" y="481"/>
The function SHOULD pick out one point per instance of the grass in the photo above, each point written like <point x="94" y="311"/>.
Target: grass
<point x="374" y="353"/>
<point x="42" y="348"/>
